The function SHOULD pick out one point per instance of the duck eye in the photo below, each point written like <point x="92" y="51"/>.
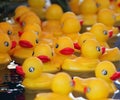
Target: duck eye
<point x="84" y="41"/>
<point x="97" y="5"/>
<point x="23" y="23"/>
<point x="104" y="72"/>
<point x="52" y="53"/>
<point x="9" y="32"/>
<point x="33" y="53"/>
<point x="37" y="32"/>
<point x="88" y="89"/>
<point x="57" y="46"/>
<point x="37" y="40"/>
<point x="6" y="43"/>
<point x="105" y="32"/>
<point x="98" y="48"/>
<point x="31" y="69"/>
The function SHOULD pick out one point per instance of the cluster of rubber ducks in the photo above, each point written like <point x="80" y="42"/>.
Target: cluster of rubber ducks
<point x="54" y="55"/>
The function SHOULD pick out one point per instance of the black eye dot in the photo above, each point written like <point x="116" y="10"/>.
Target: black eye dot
<point x="104" y="72"/>
<point x="105" y="32"/>
<point x="9" y="32"/>
<point x="37" y="40"/>
<point x="97" y="5"/>
<point x="6" y="43"/>
<point x="56" y="46"/>
<point x="84" y="41"/>
<point x="98" y="48"/>
<point x="31" y="69"/>
<point x="52" y="53"/>
<point x="23" y="23"/>
<point x="33" y="53"/>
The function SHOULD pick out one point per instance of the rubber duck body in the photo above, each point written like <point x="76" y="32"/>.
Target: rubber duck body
<point x="58" y="93"/>
<point x="33" y="77"/>
<point x="45" y="53"/>
<point x="88" y="59"/>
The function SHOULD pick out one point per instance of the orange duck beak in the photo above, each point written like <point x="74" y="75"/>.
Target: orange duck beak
<point x="77" y="46"/>
<point x="115" y="76"/>
<point x="14" y="43"/>
<point x="110" y="33"/>
<point x="19" y="70"/>
<point x="67" y="51"/>
<point x="20" y="33"/>
<point x="118" y="5"/>
<point x="103" y="50"/>
<point x="43" y="58"/>
<point x="17" y="19"/>
<point x="25" y="44"/>
<point x="86" y="89"/>
<point x="81" y="22"/>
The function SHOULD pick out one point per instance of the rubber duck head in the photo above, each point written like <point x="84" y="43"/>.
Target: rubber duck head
<point x="6" y="28"/>
<point x="64" y="46"/>
<point x="71" y="25"/>
<point x="19" y="11"/>
<point x="96" y="89"/>
<point x="88" y="7"/>
<point x="29" y="18"/>
<point x="107" y="17"/>
<point x="63" y="80"/>
<point x="54" y="12"/>
<point x="28" y="42"/>
<point x="105" y="70"/>
<point x="102" y="5"/>
<point x="84" y="36"/>
<point x="31" y="68"/>
<point x="5" y="43"/>
<point x="33" y="27"/>
<point x="100" y="31"/>
<point x="43" y="52"/>
<point x="91" y="48"/>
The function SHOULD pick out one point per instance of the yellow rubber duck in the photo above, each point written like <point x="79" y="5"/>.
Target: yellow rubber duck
<point x="111" y="54"/>
<point x="88" y="10"/>
<point x="19" y="11"/>
<point x="102" y="34"/>
<point x="63" y="80"/>
<point x="63" y="49"/>
<point x="5" y="46"/>
<point x="71" y="25"/>
<point x="34" y="78"/>
<point x="88" y="60"/>
<point x="45" y="53"/>
<point x="105" y="70"/>
<point x="93" y="88"/>
<point x="107" y="17"/>
<point x="25" y="47"/>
